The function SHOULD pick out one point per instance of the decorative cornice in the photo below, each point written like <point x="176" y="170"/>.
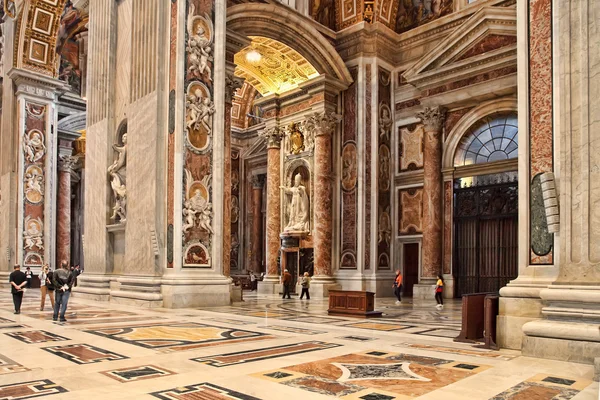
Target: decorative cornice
<point x="322" y="124"/>
<point x="35" y="84"/>
<point x="67" y="163"/>
<point x="433" y="118"/>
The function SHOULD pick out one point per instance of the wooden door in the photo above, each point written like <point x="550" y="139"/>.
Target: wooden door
<point x="411" y="267"/>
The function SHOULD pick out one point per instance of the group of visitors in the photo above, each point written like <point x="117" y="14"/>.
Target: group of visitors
<point x="439" y="290"/>
<point x="304" y="282"/>
<point x="56" y="284"/>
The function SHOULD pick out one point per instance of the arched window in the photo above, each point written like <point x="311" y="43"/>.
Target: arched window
<point x="494" y="138"/>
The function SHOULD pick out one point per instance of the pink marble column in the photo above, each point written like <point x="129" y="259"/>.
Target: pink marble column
<point x="257" y="237"/>
<point x="322" y="126"/>
<point x="433" y="193"/>
<point x="63" y="214"/>
<point x="273" y="137"/>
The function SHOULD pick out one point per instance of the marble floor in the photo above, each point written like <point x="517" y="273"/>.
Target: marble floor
<point x="263" y="348"/>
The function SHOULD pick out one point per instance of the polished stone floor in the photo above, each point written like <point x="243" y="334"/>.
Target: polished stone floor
<point x="264" y="348"/>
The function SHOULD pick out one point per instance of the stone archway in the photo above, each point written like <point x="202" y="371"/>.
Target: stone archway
<point x="275" y="22"/>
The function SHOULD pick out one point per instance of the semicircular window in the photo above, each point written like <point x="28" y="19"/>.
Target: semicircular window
<point x="494" y="138"/>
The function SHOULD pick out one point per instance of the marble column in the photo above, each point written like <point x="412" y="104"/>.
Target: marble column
<point x="571" y="312"/>
<point x="66" y="164"/>
<point x="231" y="85"/>
<point x="273" y="136"/>
<point x="433" y="193"/>
<point x="257" y="236"/>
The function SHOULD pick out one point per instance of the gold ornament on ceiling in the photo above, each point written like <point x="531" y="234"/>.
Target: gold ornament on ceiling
<point x="278" y="69"/>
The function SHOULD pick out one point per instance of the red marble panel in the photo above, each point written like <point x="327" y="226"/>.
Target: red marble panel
<point x="301" y="106"/>
<point x="410" y="213"/>
<point x="540" y="96"/>
<point x="407" y="104"/>
<point x="448" y="213"/>
<point x="488" y="43"/>
<point x="452" y="118"/>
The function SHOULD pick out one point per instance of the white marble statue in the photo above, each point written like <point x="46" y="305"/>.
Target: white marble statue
<point x="33" y="146"/>
<point x="298" y="207"/>
<point x="33" y="234"/>
<point x="117" y="182"/>
<point x="201" y="110"/>
<point x="385" y="121"/>
<point x="196" y="208"/>
<point x="199" y="45"/>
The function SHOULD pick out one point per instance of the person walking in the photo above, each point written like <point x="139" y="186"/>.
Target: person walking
<point x="17" y="280"/>
<point x="29" y="277"/>
<point x="287" y="281"/>
<point x="63" y="282"/>
<point x="439" y="290"/>
<point x="305" y="283"/>
<point x="46" y="286"/>
<point x="398" y="286"/>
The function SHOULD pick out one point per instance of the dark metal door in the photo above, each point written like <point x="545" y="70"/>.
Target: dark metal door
<point x="411" y="267"/>
<point x="485" y="237"/>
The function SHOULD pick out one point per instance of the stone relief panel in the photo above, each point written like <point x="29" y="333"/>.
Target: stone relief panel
<point x="34" y="147"/>
<point x="235" y="210"/>
<point x="368" y="177"/>
<point x="410" y="148"/>
<point x="410" y="211"/>
<point x="349" y="178"/>
<point x="418" y="12"/>
<point x="197" y="213"/>
<point x="384" y="174"/>
<point x="540" y="124"/>
<point x="448" y="221"/>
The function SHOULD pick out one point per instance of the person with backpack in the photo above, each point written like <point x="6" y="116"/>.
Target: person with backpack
<point x="46" y="286"/>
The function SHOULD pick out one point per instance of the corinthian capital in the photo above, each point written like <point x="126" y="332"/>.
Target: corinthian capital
<point x="273" y="136"/>
<point x="433" y="118"/>
<point x="232" y="83"/>
<point x="67" y="163"/>
<point x="322" y="123"/>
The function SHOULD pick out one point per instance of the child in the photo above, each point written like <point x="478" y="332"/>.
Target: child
<point x="439" y="289"/>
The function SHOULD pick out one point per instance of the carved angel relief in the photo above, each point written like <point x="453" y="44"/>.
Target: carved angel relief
<point x="199" y="44"/>
<point x="199" y="120"/>
<point x="33" y="145"/>
<point x="33" y="233"/>
<point x="197" y="208"/>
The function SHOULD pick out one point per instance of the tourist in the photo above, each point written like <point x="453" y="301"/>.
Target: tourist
<point x="46" y="286"/>
<point x="76" y="272"/>
<point x="398" y="286"/>
<point x="287" y="281"/>
<point x="439" y="289"/>
<point x="17" y="281"/>
<point x="305" y="283"/>
<point x="63" y="282"/>
<point x="252" y="281"/>
<point x="29" y="277"/>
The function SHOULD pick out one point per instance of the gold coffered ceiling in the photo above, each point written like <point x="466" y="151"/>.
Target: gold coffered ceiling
<point x="280" y="68"/>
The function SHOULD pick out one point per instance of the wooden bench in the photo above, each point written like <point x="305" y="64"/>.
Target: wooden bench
<point x="352" y="303"/>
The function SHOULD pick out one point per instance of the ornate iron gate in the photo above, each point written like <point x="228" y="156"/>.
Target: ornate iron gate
<point x="485" y="237"/>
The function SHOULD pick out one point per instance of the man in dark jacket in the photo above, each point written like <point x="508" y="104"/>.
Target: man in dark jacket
<point x="287" y="282"/>
<point x="17" y="281"/>
<point x="63" y="282"/>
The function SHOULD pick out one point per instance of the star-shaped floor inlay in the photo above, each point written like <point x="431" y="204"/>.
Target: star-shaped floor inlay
<point x="356" y="372"/>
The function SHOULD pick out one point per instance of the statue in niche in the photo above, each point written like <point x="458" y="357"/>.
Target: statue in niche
<point x="385" y="121"/>
<point x="33" y="145"/>
<point x="117" y="181"/>
<point x="199" y="44"/>
<point x="298" y="207"/>
<point x="196" y="207"/>
<point x="201" y="112"/>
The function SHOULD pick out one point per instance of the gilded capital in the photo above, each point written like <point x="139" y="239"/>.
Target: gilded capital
<point x="433" y="118"/>
<point x="320" y="124"/>
<point x="273" y="136"/>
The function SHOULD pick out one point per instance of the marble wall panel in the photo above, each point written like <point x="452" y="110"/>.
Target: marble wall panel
<point x="452" y="118"/>
<point x="35" y="143"/>
<point x="171" y="135"/>
<point x="384" y="173"/>
<point x="488" y="43"/>
<point x="410" y="148"/>
<point x="448" y="223"/>
<point x="484" y="77"/>
<point x="540" y="123"/>
<point x="410" y="212"/>
<point x="368" y="108"/>
<point x="349" y="178"/>
<point x="235" y="210"/>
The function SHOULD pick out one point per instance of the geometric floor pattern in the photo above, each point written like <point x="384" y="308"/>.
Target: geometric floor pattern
<point x="264" y="348"/>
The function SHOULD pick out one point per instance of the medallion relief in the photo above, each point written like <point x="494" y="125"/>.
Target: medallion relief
<point x="199" y="120"/>
<point x="33" y="235"/>
<point x="197" y="208"/>
<point x="199" y="45"/>
<point x="34" y="184"/>
<point x="33" y="145"/>
<point x="349" y="167"/>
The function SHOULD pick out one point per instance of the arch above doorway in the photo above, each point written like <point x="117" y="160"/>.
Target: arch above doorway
<point x="276" y="22"/>
<point x="468" y="120"/>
